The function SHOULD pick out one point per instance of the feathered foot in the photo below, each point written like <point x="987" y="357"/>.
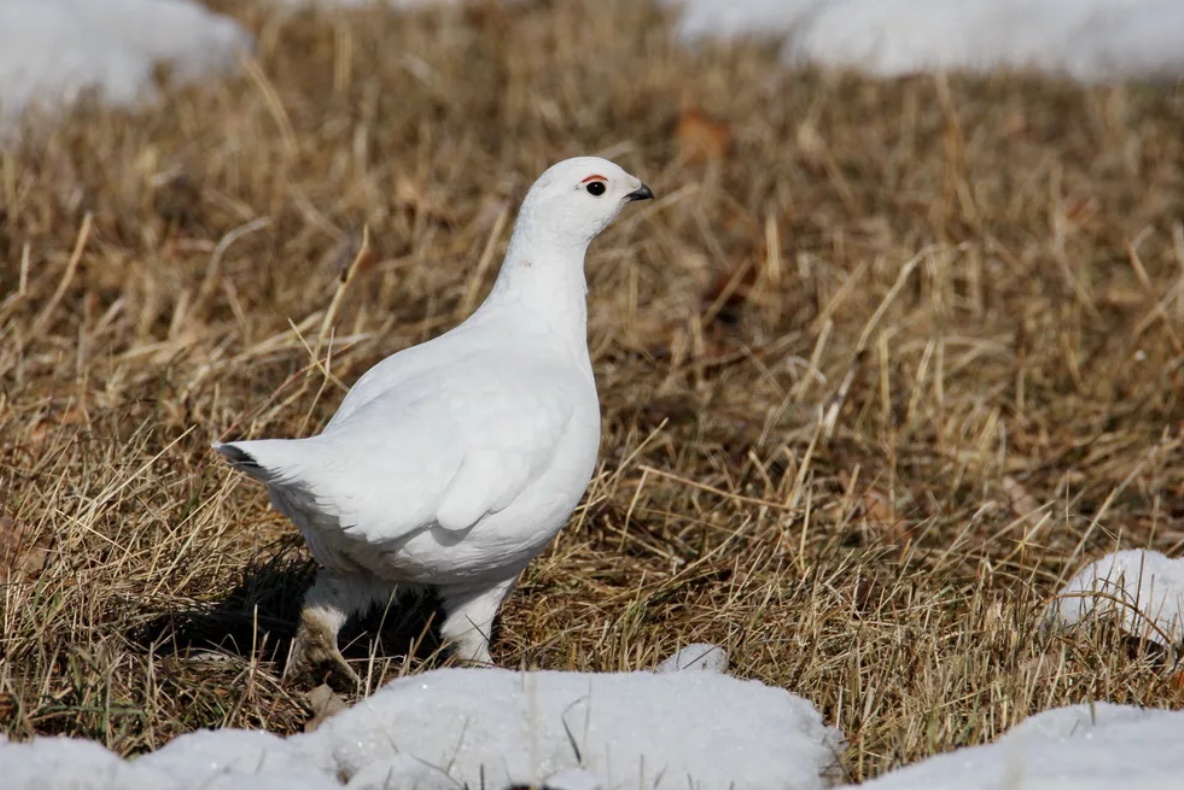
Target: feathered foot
<point x="327" y="605"/>
<point x="314" y="652"/>
<point x="468" y="621"/>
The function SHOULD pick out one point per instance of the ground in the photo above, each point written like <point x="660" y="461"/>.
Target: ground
<point x="883" y="364"/>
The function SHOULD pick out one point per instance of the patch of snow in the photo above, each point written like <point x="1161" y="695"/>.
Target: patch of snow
<point x="700" y="655"/>
<point x="1145" y="589"/>
<point x="1099" y="748"/>
<point x="234" y="756"/>
<point x="573" y="779"/>
<point x="72" y="764"/>
<point x="1091" y="40"/>
<point x="402" y="770"/>
<point x="51" y="51"/>
<point x="492" y="728"/>
<point x="223" y="760"/>
<point x="496" y="727"/>
<point x="261" y="781"/>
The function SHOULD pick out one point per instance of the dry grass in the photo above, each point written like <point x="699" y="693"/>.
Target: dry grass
<point x="873" y="381"/>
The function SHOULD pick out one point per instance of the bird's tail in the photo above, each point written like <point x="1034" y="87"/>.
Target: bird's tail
<point x="266" y="460"/>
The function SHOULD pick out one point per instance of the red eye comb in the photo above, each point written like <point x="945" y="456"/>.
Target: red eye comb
<point x="593" y="178"/>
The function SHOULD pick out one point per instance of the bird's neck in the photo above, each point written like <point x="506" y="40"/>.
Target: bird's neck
<point x="542" y="280"/>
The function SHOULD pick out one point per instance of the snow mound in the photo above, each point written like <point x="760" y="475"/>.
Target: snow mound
<point x="401" y="770"/>
<point x="233" y="758"/>
<point x="1091" y="40"/>
<point x="1145" y="589"/>
<point x="1086" y="748"/>
<point x="72" y="764"/>
<point x="700" y="655"/>
<point x="51" y="51"/>
<point x="496" y="727"/>
<point x="224" y="760"/>
<point x="490" y="728"/>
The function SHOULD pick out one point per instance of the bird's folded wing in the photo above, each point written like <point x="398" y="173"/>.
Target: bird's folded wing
<point x="487" y="481"/>
<point x="394" y="469"/>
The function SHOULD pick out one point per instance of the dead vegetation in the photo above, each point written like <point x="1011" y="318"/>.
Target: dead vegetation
<point x="884" y="362"/>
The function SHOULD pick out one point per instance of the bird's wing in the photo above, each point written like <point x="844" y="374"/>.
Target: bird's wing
<point x="444" y="450"/>
<point x="406" y="366"/>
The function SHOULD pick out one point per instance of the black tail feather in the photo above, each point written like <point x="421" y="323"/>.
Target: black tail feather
<point x="240" y="459"/>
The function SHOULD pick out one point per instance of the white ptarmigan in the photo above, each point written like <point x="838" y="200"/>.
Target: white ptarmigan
<point x="453" y="463"/>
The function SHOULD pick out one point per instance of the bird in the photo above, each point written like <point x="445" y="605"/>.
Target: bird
<point x="451" y="464"/>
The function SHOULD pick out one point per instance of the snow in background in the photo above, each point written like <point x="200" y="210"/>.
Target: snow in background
<point x="1092" y="40"/>
<point x="1144" y="589"/>
<point x="487" y="728"/>
<point x="53" y="50"/>
<point x="1102" y="747"/>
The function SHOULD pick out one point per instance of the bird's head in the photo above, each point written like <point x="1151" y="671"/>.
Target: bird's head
<point x="577" y="198"/>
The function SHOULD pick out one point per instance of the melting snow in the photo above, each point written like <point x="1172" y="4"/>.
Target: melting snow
<point x="498" y="727"/>
<point x="487" y="728"/>
<point x="579" y="731"/>
<point x="1099" y="748"/>
<point x="1091" y="40"/>
<point x="72" y="764"/>
<point x="237" y="757"/>
<point x="51" y="51"/>
<point x="1144" y="588"/>
<point x="697" y="656"/>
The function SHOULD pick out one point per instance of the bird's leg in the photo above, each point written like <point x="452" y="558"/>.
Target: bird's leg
<point x="328" y="604"/>
<point x="468" y="619"/>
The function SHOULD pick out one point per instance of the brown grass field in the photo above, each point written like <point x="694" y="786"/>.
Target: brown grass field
<point x="883" y="364"/>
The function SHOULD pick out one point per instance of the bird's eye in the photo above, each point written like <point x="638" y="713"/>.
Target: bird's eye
<point x="596" y="188"/>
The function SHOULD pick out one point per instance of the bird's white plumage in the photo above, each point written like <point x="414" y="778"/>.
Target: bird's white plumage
<point x="440" y="451"/>
<point x="454" y="462"/>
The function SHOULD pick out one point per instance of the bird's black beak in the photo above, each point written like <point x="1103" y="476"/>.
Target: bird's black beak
<point x="641" y="193"/>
